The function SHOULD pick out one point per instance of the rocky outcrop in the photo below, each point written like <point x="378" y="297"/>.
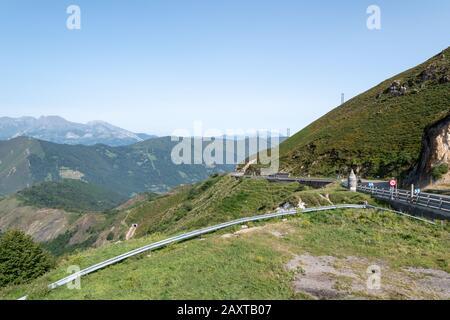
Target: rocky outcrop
<point x="397" y="88"/>
<point x="435" y="156"/>
<point x="436" y="72"/>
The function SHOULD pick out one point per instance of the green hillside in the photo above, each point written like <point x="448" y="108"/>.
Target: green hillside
<point x="142" y="167"/>
<point x="379" y="132"/>
<point x="70" y="195"/>
<point x="224" y="198"/>
<point x="54" y="213"/>
<point x="267" y="261"/>
<point x="258" y="262"/>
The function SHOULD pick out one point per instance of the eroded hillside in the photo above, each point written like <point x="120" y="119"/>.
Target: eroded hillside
<point x="432" y="169"/>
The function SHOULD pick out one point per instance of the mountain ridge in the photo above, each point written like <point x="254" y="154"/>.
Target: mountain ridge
<point x="378" y="133"/>
<point x="59" y="130"/>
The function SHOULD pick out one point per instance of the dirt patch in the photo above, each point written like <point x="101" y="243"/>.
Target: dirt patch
<point x="277" y="234"/>
<point x="434" y="282"/>
<point x="67" y="173"/>
<point x="327" y="277"/>
<point x="277" y="230"/>
<point x="320" y="277"/>
<point x="247" y="230"/>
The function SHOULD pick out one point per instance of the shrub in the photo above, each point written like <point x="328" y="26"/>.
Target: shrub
<point x="438" y="171"/>
<point x="188" y="206"/>
<point x="110" y="236"/>
<point x="21" y="259"/>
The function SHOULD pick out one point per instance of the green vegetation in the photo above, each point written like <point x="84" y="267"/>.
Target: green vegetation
<point x="216" y="200"/>
<point x="127" y="170"/>
<point x="242" y="265"/>
<point x="61" y="244"/>
<point x="438" y="171"/>
<point x="378" y="132"/>
<point x="70" y="195"/>
<point x="224" y="198"/>
<point x="21" y="260"/>
<point x="252" y="265"/>
<point x="58" y="230"/>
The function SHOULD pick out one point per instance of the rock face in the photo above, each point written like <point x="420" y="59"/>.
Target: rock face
<point x="397" y="88"/>
<point x="435" y="153"/>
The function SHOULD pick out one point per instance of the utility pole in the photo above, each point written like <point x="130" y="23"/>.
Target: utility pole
<point x="342" y="98"/>
<point x="288" y="132"/>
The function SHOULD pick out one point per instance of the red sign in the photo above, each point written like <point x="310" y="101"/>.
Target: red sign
<point x="392" y="183"/>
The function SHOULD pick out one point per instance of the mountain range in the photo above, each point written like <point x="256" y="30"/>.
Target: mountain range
<point x="58" y="130"/>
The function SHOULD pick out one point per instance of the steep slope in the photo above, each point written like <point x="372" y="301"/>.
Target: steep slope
<point x="145" y="166"/>
<point x="323" y="255"/>
<point x="224" y="198"/>
<point x="61" y="231"/>
<point x="70" y="195"/>
<point x="68" y="215"/>
<point x="15" y="169"/>
<point x="59" y="130"/>
<point x="379" y="132"/>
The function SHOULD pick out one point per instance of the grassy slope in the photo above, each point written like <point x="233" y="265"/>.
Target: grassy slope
<point x="70" y="195"/>
<point x="252" y="265"/>
<point x="225" y="198"/>
<point x="376" y="132"/>
<point x="216" y="200"/>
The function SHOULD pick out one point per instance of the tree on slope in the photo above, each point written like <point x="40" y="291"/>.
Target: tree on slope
<point x="21" y="259"/>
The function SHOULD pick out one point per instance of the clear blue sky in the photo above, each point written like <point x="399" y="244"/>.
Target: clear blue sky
<point x="158" y="65"/>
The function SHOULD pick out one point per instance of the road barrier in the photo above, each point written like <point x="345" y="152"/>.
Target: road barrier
<point x="423" y="199"/>
<point x="196" y="233"/>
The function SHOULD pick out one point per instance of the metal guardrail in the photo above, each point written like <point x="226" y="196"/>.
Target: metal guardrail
<point x="190" y="235"/>
<point x="284" y="179"/>
<point x="428" y="200"/>
<point x="293" y="179"/>
<point x="195" y="233"/>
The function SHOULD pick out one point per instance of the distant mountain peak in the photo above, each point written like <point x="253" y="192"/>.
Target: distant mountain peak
<point x="56" y="129"/>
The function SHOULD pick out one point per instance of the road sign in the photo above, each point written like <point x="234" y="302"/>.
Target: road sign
<point x="392" y="183"/>
<point x="371" y="185"/>
<point x="417" y="191"/>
